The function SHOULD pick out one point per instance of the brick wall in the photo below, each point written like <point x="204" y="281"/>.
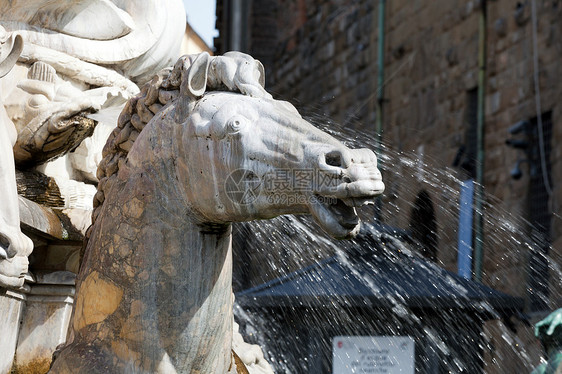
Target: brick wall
<point x="321" y="56"/>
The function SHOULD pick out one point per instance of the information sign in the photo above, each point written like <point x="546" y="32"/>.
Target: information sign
<point x="373" y="355"/>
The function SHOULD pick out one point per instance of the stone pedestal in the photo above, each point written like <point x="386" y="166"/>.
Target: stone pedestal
<point x="11" y="310"/>
<point x="35" y="319"/>
<point x="45" y="322"/>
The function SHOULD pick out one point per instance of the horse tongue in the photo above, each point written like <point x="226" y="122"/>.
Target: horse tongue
<point x="346" y="215"/>
<point x="338" y="220"/>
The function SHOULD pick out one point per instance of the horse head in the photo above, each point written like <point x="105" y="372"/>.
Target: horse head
<point x="203" y="145"/>
<point x="253" y="157"/>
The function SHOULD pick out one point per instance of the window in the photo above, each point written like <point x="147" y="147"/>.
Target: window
<point x="423" y="226"/>
<point x="539" y="210"/>
<point x="466" y="156"/>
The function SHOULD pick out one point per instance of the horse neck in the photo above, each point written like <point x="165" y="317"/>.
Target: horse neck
<point x="177" y="269"/>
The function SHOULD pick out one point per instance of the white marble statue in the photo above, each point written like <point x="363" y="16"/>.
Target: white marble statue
<point x="197" y="150"/>
<point x="14" y="245"/>
<point x="82" y="59"/>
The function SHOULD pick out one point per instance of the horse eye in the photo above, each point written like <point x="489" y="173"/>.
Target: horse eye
<point x="235" y="124"/>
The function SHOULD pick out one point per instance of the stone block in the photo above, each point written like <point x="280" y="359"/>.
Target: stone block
<point x="11" y="308"/>
<point x="45" y="322"/>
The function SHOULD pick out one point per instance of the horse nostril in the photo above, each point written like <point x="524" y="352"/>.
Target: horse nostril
<point x="334" y="159"/>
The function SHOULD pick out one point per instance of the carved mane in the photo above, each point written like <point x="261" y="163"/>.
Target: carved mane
<point x="234" y="71"/>
<point x="137" y="112"/>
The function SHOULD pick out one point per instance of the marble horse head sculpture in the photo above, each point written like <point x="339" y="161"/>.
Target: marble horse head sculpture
<point x="202" y="146"/>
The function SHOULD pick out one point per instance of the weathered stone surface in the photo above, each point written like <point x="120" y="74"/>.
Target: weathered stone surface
<point x="45" y="322"/>
<point x="42" y="144"/>
<point x="98" y="299"/>
<point x="37" y="187"/>
<point x="154" y="293"/>
<point x="52" y="222"/>
<point x="11" y="308"/>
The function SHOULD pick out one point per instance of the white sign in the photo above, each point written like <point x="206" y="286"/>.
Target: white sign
<point x="373" y="354"/>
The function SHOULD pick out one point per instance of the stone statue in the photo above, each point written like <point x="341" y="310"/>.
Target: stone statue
<point x="75" y="58"/>
<point x="82" y="60"/>
<point x="549" y="331"/>
<point x="14" y="245"/>
<point x="190" y="155"/>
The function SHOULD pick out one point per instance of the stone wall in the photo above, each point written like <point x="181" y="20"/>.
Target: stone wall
<point x="322" y="56"/>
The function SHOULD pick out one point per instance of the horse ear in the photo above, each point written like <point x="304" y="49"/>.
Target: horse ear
<point x="196" y="81"/>
<point x="10" y="51"/>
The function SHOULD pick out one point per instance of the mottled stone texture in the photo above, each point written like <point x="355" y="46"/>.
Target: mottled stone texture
<point x="129" y="316"/>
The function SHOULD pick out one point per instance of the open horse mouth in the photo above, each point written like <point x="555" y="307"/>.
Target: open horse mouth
<point x="337" y="214"/>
